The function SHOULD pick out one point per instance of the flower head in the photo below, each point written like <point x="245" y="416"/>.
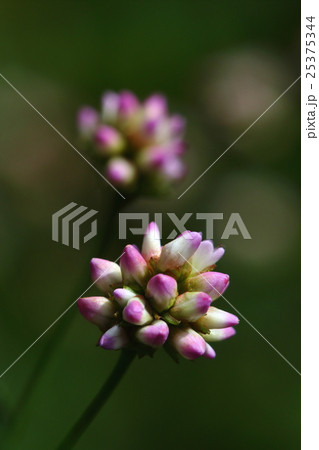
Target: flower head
<point x="140" y="142"/>
<point x="162" y="296"/>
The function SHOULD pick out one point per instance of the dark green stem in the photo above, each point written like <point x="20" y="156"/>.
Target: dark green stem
<point x="61" y="328"/>
<point x="99" y="400"/>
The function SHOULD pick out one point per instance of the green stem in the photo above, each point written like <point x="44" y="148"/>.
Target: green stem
<point x="99" y="400"/>
<point x="61" y="328"/>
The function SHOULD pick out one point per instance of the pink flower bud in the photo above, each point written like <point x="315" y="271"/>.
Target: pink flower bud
<point x="217" y="318"/>
<point x="128" y="104"/>
<point x="108" y="140"/>
<point x="110" y="106"/>
<point x="177" y="252"/>
<point x="158" y="156"/>
<point x="151" y="247"/>
<point x="151" y="126"/>
<point x="136" y="313"/>
<point x="114" y="339"/>
<point x="121" y="172"/>
<point x="218" y="254"/>
<point x="188" y="343"/>
<point x="162" y="291"/>
<point x="219" y="334"/>
<point x="177" y="147"/>
<point x="213" y="283"/>
<point x="209" y="353"/>
<point x="153" y="157"/>
<point x="154" y="334"/>
<point x="123" y="295"/>
<point x="97" y="310"/>
<point x="106" y="274"/>
<point x="133" y="266"/>
<point x="177" y="124"/>
<point x="87" y="121"/>
<point x="164" y="159"/>
<point x="191" y="306"/>
<point x="143" y="309"/>
<point x="205" y="257"/>
<point x="155" y="107"/>
<point x="125" y="125"/>
<point x="173" y="168"/>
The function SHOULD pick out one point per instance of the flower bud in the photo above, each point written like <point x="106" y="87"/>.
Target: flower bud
<point x="106" y="274"/>
<point x="136" y="313"/>
<point x="123" y="295"/>
<point x="114" y="339"/>
<point x="219" y="334"/>
<point x="87" y="121"/>
<point x="121" y="172"/>
<point x="150" y="127"/>
<point x="97" y="310"/>
<point x="177" y="252"/>
<point x="177" y="124"/>
<point x="173" y="168"/>
<point x="155" y="107"/>
<point x="110" y="106"/>
<point x="163" y="159"/>
<point x="218" y="254"/>
<point x="126" y="126"/>
<point x="153" y="157"/>
<point x="128" y="104"/>
<point x="151" y="247"/>
<point x="187" y="343"/>
<point x="108" y="140"/>
<point x="217" y="318"/>
<point x="213" y="283"/>
<point x="205" y="257"/>
<point x="162" y="290"/>
<point x="191" y="306"/>
<point x="177" y="147"/>
<point x="209" y="353"/>
<point x="133" y="266"/>
<point x="154" y="334"/>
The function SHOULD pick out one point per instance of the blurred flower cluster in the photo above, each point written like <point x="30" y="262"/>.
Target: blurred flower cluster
<point x="161" y="297"/>
<point x="141" y="143"/>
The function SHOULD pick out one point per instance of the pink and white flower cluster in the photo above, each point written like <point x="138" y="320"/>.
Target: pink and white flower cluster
<point x="161" y="296"/>
<point x="140" y="141"/>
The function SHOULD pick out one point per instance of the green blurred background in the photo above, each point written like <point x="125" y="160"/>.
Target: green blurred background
<point x="221" y="64"/>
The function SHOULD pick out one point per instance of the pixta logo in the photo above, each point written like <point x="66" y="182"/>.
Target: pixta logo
<point x="234" y="227"/>
<point x="63" y="223"/>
